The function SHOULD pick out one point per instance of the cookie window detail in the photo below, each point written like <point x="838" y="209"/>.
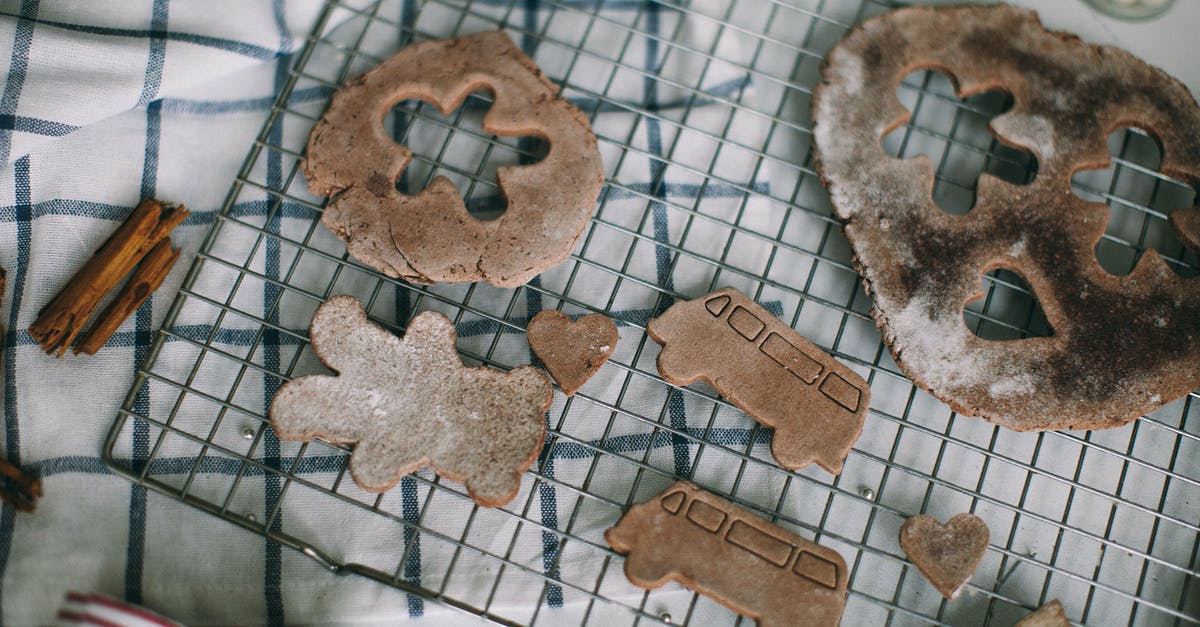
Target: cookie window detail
<point x="759" y="543"/>
<point x="706" y="516"/>
<point x="816" y="568"/>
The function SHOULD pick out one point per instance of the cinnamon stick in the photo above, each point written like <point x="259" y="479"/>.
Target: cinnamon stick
<point x="145" y="279"/>
<point x="17" y="488"/>
<point x="64" y="316"/>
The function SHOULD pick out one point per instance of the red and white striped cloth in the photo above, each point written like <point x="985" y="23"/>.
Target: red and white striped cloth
<point x="97" y="610"/>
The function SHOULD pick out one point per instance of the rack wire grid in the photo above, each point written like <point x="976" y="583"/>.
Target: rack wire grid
<point x="701" y="108"/>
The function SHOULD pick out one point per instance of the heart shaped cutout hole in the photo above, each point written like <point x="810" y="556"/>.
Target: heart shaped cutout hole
<point x="1008" y="309"/>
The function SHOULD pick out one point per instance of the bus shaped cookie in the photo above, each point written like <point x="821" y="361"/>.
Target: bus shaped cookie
<point x="816" y="405"/>
<point x="722" y="551"/>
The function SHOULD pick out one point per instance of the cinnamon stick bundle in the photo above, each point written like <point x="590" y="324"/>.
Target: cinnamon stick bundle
<point x="146" y="278"/>
<point x="66" y="314"/>
<point x="18" y="488"/>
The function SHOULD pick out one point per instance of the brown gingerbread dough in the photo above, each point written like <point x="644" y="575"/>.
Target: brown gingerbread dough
<point x="1051" y="614"/>
<point x="1187" y="226"/>
<point x="947" y="555"/>
<point x="815" y="404"/>
<point x="410" y="403"/>
<point x="729" y="554"/>
<point x="1121" y="346"/>
<point x="572" y="351"/>
<point x="430" y="237"/>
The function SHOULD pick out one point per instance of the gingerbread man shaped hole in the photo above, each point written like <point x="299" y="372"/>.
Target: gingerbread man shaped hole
<point x="1143" y="202"/>
<point x="457" y="147"/>
<point x="953" y="132"/>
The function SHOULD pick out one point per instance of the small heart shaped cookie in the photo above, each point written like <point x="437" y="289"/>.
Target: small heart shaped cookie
<point x="572" y="351"/>
<point x="946" y="554"/>
<point x="1051" y="614"/>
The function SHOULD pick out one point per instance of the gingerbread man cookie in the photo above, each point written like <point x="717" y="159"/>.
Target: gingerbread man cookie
<point x="409" y="403"/>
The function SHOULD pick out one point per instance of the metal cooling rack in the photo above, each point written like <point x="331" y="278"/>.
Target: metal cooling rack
<point x="701" y="108"/>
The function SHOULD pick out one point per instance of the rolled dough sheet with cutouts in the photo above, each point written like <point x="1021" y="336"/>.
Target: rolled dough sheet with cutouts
<point x="1121" y="346"/>
<point x="429" y="236"/>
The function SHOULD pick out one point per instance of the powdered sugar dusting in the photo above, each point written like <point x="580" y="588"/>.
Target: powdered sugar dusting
<point x="852" y="74"/>
<point x="1012" y="386"/>
<point x="1035" y="132"/>
<point x="373" y="399"/>
<point x="939" y="348"/>
<point x="1018" y="248"/>
<point x="934" y="346"/>
<point x="920" y="265"/>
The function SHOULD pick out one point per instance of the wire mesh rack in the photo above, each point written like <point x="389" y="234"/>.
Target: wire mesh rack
<point x="701" y="108"/>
